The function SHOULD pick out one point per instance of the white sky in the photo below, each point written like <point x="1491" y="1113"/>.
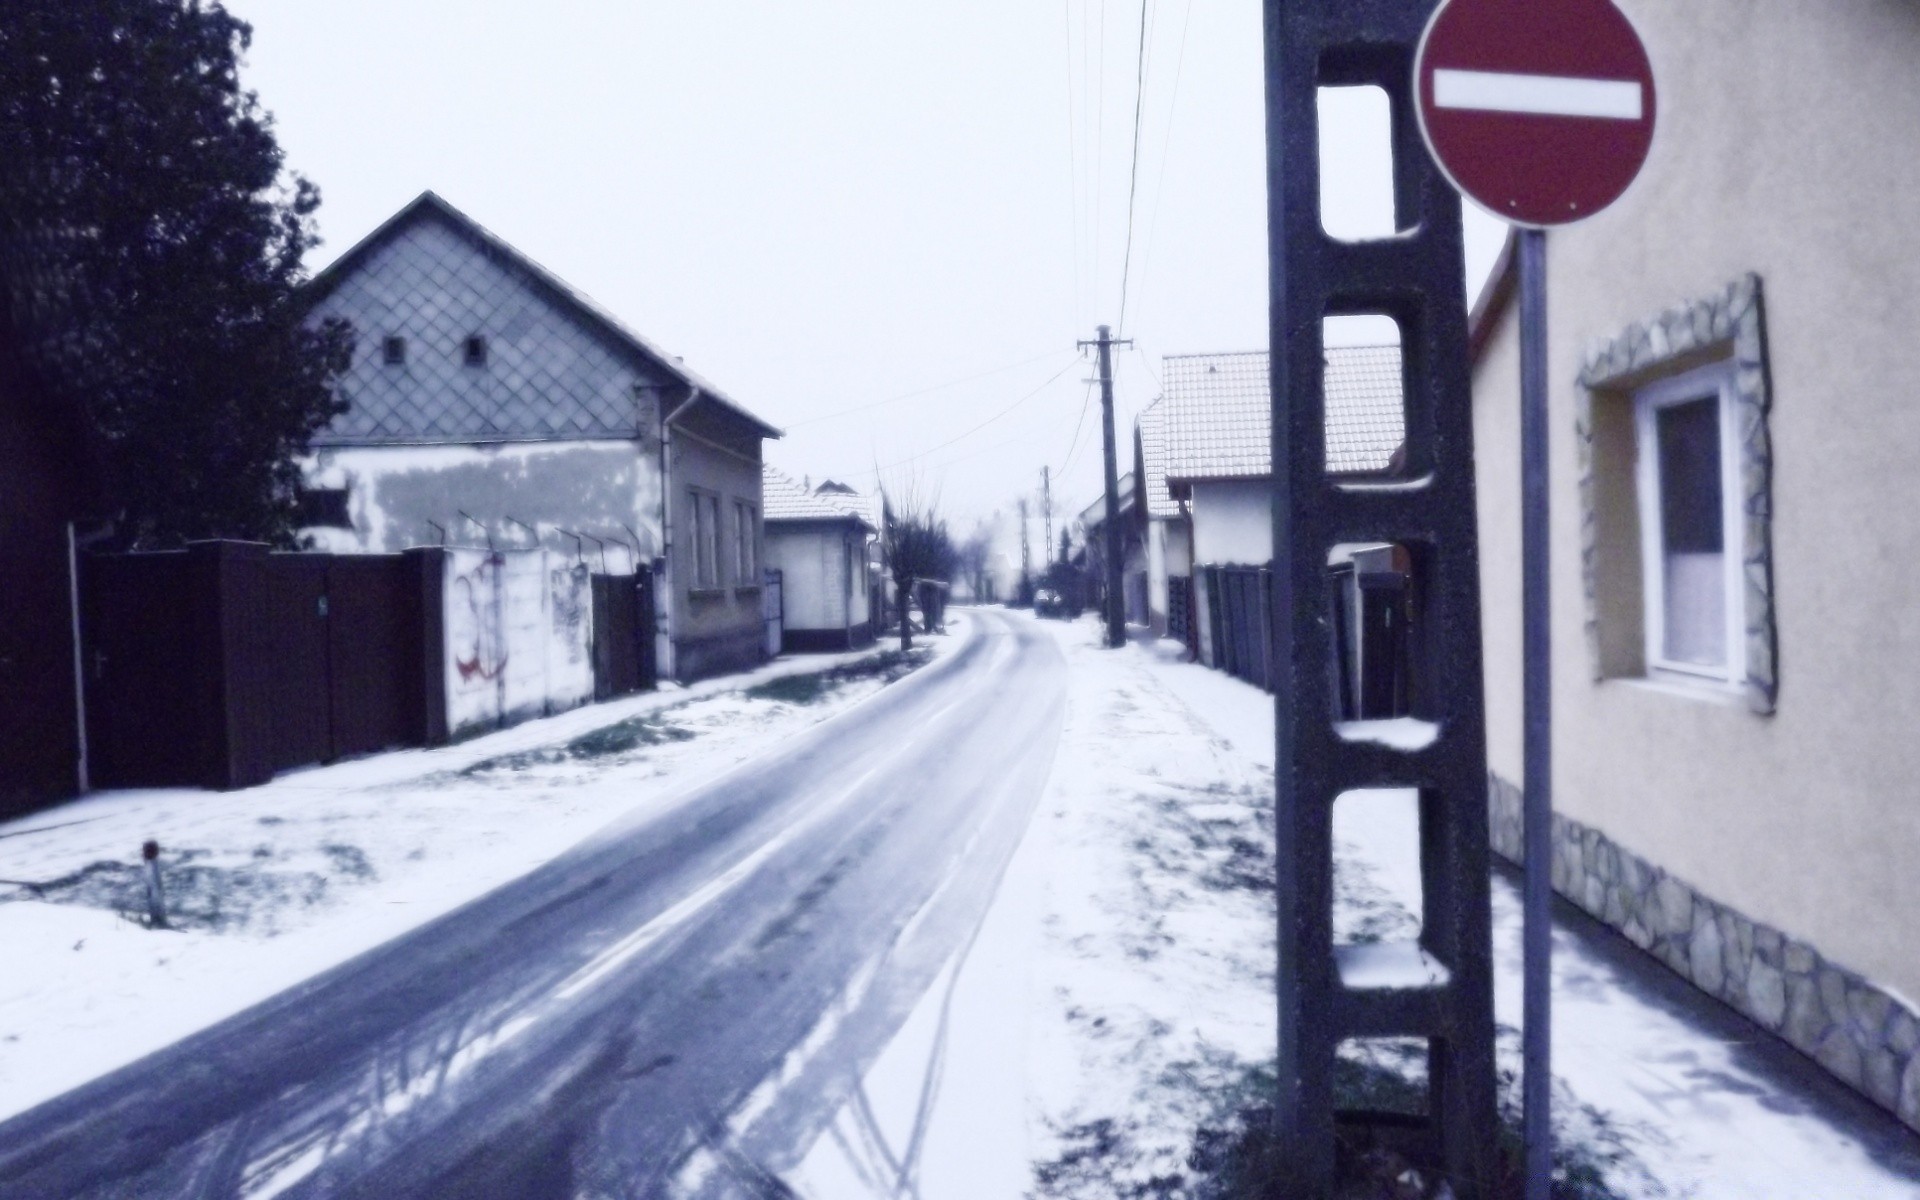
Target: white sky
<point x="827" y="205"/>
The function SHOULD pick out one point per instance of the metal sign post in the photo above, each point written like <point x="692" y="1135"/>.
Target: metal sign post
<point x="1542" y="111"/>
<point x="1536" y="1080"/>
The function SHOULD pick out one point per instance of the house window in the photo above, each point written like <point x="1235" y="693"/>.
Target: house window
<point x="1676" y="498"/>
<point x="1693" y="609"/>
<point x="743" y="543"/>
<point x="323" y="508"/>
<point x="394" y="351"/>
<point x="705" y="510"/>
<point x="476" y="351"/>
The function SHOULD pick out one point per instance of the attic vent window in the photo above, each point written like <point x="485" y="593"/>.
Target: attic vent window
<point x="476" y="351"/>
<point x="394" y="351"/>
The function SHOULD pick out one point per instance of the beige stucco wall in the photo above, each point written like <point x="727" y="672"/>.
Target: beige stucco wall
<point x="1789" y="145"/>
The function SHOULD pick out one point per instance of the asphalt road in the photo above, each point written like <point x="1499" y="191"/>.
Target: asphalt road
<point x="675" y="1009"/>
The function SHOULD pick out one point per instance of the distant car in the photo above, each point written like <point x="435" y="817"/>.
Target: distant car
<point x="1049" y="603"/>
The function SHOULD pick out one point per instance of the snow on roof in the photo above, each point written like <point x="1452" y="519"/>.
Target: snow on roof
<point x="1153" y="455"/>
<point x="1096" y="513"/>
<point x="1218" y="416"/>
<point x="783" y="498"/>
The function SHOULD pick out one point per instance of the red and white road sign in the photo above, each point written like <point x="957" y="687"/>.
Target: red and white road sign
<point x="1540" y="110"/>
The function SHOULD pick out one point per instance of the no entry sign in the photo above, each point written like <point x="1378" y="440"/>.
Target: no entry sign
<point x="1540" y="110"/>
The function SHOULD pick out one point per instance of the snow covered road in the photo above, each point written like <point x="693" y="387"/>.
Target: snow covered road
<point x="672" y="1006"/>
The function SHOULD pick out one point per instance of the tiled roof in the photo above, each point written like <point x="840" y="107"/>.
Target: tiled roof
<point x="784" y="499"/>
<point x="1218" y="413"/>
<point x="1153" y="455"/>
<point x="557" y="365"/>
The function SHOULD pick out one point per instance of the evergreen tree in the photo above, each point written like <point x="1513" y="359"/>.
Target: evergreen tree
<point x="150" y="256"/>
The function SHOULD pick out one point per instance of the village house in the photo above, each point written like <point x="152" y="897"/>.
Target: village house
<point x="489" y="403"/>
<point x="1732" y="422"/>
<point x="1169" y="541"/>
<point x="1092" y="556"/>
<point x="1215" y="417"/>
<point x="821" y="541"/>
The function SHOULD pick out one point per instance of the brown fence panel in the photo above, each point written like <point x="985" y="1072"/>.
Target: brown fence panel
<point x="373" y="653"/>
<point x="153" y="696"/>
<point x="220" y="665"/>
<point x="285" y="671"/>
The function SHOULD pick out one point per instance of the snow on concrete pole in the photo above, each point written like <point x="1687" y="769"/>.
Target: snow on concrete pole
<point x="156" y="899"/>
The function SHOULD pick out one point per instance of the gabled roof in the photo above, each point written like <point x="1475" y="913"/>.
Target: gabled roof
<point x="1094" y="515"/>
<point x="429" y="206"/>
<point x="784" y="499"/>
<point x="1218" y="413"/>
<point x="1152" y="424"/>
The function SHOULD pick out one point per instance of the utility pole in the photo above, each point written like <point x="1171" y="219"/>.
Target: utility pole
<point x="1116" y="612"/>
<point x="1046" y="509"/>
<point x="1026" y="555"/>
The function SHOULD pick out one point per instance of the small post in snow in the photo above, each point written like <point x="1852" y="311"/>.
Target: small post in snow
<point x="156" y="899"/>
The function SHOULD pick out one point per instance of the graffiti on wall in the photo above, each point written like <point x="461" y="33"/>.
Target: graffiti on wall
<point x="518" y="636"/>
<point x="473" y="601"/>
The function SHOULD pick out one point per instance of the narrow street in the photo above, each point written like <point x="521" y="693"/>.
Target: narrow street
<point x="651" y="995"/>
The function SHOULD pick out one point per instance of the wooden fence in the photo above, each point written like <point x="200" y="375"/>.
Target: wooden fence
<point x="222" y="664"/>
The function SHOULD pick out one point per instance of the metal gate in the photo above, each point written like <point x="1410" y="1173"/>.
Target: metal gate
<point x="773" y="611"/>
<point x="222" y="664"/>
<point x="623" y="659"/>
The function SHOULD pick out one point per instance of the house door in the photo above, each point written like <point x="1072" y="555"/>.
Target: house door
<point x="773" y="611"/>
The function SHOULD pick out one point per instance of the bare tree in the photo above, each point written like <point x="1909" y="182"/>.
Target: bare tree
<point x="915" y="546"/>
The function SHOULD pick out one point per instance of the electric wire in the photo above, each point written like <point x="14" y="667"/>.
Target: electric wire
<point x="1166" y="145"/>
<point x="938" y="387"/>
<point x="1074" y="446"/>
<point x="1133" y="172"/>
<point x="982" y="425"/>
<point x="1073" y="162"/>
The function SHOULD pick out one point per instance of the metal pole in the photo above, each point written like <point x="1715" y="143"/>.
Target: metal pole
<point x="82" y="780"/>
<point x="1116" y="621"/>
<point x="1537" y="701"/>
<point x="1046" y="511"/>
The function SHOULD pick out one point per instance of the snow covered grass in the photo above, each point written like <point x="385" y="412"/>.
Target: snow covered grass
<point x="1109" y="1033"/>
<point x="268" y="886"/>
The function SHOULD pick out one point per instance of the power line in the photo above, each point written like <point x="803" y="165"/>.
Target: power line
<point x="982" y="425"/>
<point x="938" y="387"/>
<point x="1133" y="173"/>
<point x="1074" y="445"/>
<point x="1073" y="160"/>
<point x="1166" y="143"/>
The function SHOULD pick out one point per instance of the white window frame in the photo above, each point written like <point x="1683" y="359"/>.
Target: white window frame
<point x="1714" y="381"/>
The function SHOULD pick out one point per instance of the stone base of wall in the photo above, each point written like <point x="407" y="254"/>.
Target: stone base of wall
<point x="1860" y="1034"/>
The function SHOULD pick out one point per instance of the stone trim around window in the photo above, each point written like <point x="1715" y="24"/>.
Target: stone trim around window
<point x="1864" y="1036"/>
<point x="1727" y="324"/>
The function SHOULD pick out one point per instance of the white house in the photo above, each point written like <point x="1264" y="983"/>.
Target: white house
<point x="1216" y="415"/>
<point x="489" y="404"/>
<point x="820" y="540"/>
<point x="1169" y="533"/>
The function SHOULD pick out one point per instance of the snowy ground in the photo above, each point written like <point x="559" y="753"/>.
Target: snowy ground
<point x="1113" y="1014"/>
<point x="271" y="885"/>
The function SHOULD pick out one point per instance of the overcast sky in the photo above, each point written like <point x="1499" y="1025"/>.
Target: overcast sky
<point x="831" y="205"/>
